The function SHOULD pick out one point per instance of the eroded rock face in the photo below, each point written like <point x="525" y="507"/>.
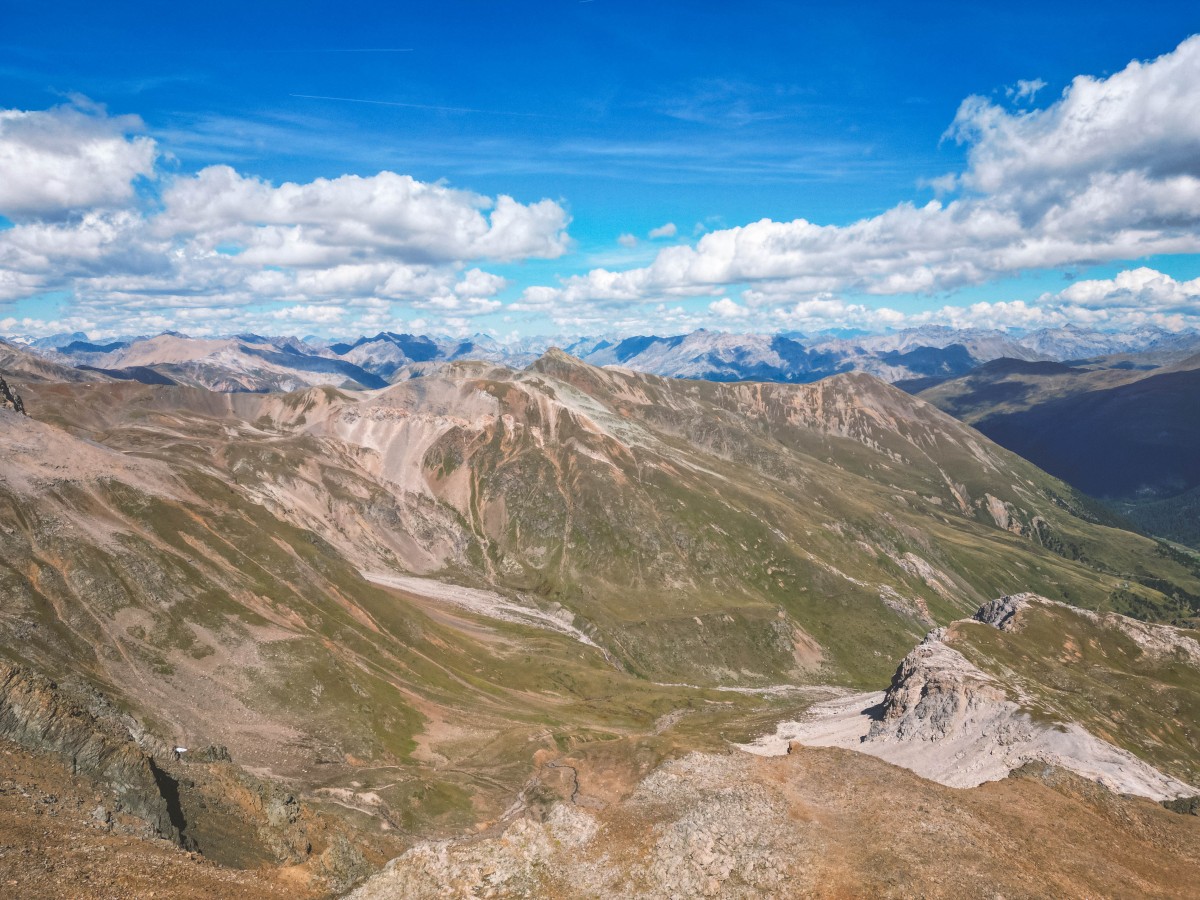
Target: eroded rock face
<point x="9" y="399"/>
<point x="812" y="824"/>
<point x="933" y="693"/>
<point x="1002" y="612"/>
<point x="36" y="715"/>
<point x="947" y="720"/>
<point x="1164" y="641"/>
<point x="695" y="827"/>
<point x="201" y="801"/>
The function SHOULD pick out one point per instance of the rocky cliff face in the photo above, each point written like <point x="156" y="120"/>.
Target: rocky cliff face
<point x="9" y="399"/>
<point x="37" y="715"/>
<point x="934" y="693"/>
<point x="949" y="720"/>
<point x="199" y="800"/>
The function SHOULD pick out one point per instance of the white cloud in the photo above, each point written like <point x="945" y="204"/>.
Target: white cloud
<point x="1025" y="90"/>
<point x="1141" y="289"/>
<point x="827" y="311"/>
<point x="68" y="158"/>
<point x="1144" y="119"/>
<point x="1131" y="299"/>
<point x="1134" y="298"/>
<point x="727" y="309"/>
<point x="216" y="242"/>
<point x="330" y="221"/>
<point x="628" y="241"/>
<point x="1110" y="171"/>
<point x="322" y="315"/>
<point x="477" y="283"/>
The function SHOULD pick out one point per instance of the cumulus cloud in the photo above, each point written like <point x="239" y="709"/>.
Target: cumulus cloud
<point x="1131" y="299"/>
<point x="627" y="241"/>
<point x="1109" y="171"/>
<point x="323" y="315"/>
<point x="1142" y="120"/>
<point x="71" y="157"/>
<point x="1141" y="295"/>
<point x="330" y="221"/>
<point x="728" y="309"/>
<point x="218" y="244"/>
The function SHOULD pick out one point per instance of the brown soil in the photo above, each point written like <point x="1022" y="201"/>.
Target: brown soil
<point x="821" y="823"/>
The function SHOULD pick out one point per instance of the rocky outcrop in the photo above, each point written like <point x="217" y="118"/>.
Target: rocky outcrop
<point x="37" y="715"/>
<point x="199" y="800"/>
<point x="933" y="693"/>
<point x="1185" y="806"/>
<point x="1002" y="612"/>
<point x="1163" y="641"/>
<point x="813" y="823"/>
<point x="949" y="721"/>
<point x="703" y="829"/>
<point x="10" y="399"/>
<point x="1004" y="514"/>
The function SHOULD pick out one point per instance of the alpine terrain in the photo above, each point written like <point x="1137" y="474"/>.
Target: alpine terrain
<point x="564" y="630"/>
<point x="526" y="451"/>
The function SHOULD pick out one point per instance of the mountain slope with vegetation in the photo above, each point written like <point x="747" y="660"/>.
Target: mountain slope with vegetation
<point x="1121" y="430"/>
<point x="563" y="560"/>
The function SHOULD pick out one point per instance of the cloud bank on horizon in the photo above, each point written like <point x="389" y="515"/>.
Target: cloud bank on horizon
<point x="101" y="233"/>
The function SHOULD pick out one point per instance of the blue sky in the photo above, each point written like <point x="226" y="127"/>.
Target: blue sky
<point x="625" y="117"/>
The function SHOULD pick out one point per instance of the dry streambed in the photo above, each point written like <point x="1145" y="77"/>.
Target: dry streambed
<point x="484" y="603"/>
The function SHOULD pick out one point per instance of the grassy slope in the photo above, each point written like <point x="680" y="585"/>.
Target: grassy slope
<point x="1120" y="433"/>
<point x="223" y="624"/>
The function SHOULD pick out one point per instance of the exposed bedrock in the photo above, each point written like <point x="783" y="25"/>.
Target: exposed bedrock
<point x="35" y="714"/>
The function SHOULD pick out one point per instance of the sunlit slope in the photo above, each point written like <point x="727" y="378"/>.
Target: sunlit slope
<point x="213" y="621"/>
<point x="198" y="557"/>
<point x="740" y="533"/>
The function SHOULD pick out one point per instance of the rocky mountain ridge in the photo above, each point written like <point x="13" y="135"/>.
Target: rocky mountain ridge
<point x="258" y="363"/>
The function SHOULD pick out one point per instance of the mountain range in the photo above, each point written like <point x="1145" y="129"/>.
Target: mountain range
<point x="1097" y="433"/>
<point x="500" y="623"/>
<point x="251" y="362"/>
